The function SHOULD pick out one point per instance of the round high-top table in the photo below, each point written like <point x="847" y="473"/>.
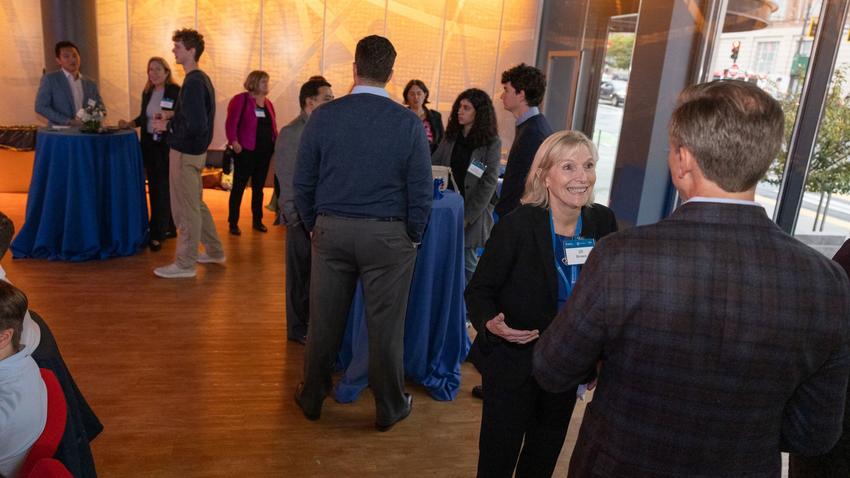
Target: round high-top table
<point x="86" y="197"/>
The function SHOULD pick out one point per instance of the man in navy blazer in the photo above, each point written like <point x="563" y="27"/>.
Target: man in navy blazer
<point x="363" y="189"/>
<point x="722" y="340"/>
<point x="63" y="92"/>
<point x="523" y="89"/>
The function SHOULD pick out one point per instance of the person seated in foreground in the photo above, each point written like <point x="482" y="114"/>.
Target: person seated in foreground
<point x="23" y="395"/>
<point x="38" y="340"/>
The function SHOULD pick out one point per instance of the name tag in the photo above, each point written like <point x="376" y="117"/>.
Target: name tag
<point x="476" y="168"/>
<point x="92" y="103"/>
<point x="261" y="113"/>
<point x="577" y="250"/>
<point x="166" y="103"/>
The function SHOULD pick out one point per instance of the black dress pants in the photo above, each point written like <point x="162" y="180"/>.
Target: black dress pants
<point x="513" y="414"/>
<point x="253" y="165"/>
<point x="155" y="159"/>
<point x="297" y="280"/>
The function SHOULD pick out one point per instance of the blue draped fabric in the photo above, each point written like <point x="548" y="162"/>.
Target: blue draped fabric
<point x="86" y="198"/>
<point x="435" y="338"/>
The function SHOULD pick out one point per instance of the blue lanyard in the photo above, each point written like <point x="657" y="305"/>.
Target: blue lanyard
<point x="574" y="269"/>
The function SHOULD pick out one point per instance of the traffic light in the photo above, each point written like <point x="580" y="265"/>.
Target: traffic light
<point x="736" y="46"/>
<point x="812" y="27"/>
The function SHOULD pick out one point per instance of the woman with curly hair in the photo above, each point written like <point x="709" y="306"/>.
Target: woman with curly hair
<point x="472" y="149"/>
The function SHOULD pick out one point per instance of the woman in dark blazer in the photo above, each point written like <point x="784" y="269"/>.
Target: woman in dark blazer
<point x="159" y="95"/>
<point x="416" y="97"/>
<point x="472" y="149"/>
<point x="528" y="269"/>
<point x="251" y="130"/>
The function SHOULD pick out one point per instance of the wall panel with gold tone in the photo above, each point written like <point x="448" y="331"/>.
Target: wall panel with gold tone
<point x="232" y="34"/>
<point x="149" y="34"/>
<point x="416" y="29"/>
<point x="470" y="46"/>
<point x="23" y="61"/>
<point x="292" y="50"/>
<point x="449" y="44"/>
<point x="113" y="58"/>
<point x="518" y="37"/>
<point x="346" y="22"/>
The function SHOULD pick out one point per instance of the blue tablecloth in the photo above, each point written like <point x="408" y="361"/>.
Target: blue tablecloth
<point x="435" y="338"/>
<point x="86" y="198"/>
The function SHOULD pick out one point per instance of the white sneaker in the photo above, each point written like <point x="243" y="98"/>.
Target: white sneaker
<point x="173" y="271"/>
<point x="204" y="258"/>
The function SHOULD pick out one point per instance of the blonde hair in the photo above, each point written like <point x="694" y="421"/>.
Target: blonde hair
<point x="164" y="64"/>
<point x="254" y="79"/>
<point x="557" y="146"/>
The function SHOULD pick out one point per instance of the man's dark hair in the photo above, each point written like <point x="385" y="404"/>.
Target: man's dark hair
<point x="484" y="128"/>
<point x="528" y="79"/>
<point x="375" y="57"/>
<point x="13" y="307"/>
<point x="311" y="88"/>
<point x="733" y="128"/>
<point x="7" y="230"/>
<point x="190" y="39"/>
<point x="64" y="44"/>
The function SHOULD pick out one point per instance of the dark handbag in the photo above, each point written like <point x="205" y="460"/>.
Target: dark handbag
<point x="227" y="159"/>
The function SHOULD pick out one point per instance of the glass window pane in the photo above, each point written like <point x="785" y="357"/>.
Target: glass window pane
<point x="823" y="220"/>
<point x="773" y="54"/>
<point x="612" y="99"/>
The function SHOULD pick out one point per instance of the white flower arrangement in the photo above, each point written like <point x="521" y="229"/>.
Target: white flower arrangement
<point x="92" y="112"/>
<point x="92" y="116"/>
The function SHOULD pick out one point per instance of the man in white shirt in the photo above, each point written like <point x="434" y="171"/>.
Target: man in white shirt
<point x="62" y="93"/>
<point x="23" y="395"/>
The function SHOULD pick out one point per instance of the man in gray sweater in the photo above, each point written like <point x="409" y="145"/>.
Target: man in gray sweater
<point x="314" y="92"/>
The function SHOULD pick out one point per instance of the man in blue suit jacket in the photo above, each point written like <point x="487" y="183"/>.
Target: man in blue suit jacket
<point x="722" y="339"/>
<point x="363" y="189"/>
<point x="63" y="92"/>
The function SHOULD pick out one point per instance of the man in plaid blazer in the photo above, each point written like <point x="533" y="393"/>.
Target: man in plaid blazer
<point x="721" y="339"/>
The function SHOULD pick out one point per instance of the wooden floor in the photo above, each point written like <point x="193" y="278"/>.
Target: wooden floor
<point x="195" y="378"/>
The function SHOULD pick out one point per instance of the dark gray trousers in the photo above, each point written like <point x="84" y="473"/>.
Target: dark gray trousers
<point x="382" y="256"/>
<point x="297" y="281"/>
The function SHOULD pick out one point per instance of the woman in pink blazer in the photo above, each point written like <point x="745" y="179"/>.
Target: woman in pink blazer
<point x="251" y="132"/>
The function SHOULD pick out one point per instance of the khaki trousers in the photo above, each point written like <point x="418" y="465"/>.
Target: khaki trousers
<point x="191" y="216"/>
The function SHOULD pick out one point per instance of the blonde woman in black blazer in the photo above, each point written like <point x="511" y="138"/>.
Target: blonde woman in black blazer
<point x="514" y="295"/>
<point x="164" y="91"/>
<point x="472" y="149"/>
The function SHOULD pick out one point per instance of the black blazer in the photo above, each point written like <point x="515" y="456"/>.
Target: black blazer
<point x="171" y="92"/>
<point x="435" y="119"/>
<point x="528" y="138"/>
<point x="516" y="276"/>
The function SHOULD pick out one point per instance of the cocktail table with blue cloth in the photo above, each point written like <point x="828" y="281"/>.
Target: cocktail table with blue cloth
<point x="86" y="197"/>
<point x="435" y="337"/>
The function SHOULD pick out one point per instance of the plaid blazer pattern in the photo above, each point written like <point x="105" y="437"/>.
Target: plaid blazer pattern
<point x="722" y="340"/>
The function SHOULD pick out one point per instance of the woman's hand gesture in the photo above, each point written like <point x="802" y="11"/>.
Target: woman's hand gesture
<point x="498" y="327"/>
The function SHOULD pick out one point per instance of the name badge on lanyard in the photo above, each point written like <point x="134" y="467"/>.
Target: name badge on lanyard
<point x="476" y="168"/>
<point x="166" y="103"/>
<point x="261" y="113"/>
<point x="577" y="250"/>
